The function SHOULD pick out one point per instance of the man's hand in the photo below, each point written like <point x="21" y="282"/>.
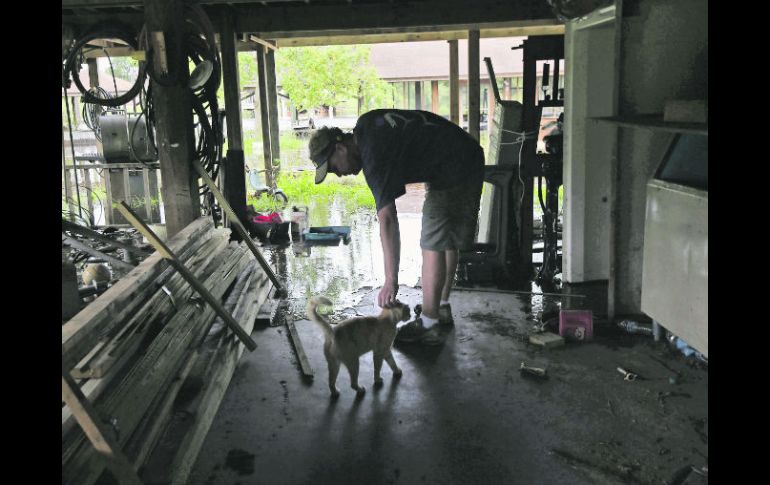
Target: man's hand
<point x="387" y="296"/>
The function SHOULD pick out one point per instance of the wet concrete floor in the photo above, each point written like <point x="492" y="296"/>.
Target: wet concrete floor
<point x="462" y="412"/>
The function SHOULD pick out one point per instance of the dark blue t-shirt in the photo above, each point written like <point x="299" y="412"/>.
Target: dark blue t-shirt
<point x="400" y="147"/>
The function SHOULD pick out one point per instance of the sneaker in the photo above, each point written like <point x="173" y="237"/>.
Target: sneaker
<point x="414" y="332"/>
<point x="444" y="314"/>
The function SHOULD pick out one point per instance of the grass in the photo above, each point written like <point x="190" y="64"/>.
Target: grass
<point x="301" y="189"/>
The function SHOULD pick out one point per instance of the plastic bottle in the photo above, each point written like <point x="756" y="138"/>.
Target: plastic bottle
<point x="631" y="326"/>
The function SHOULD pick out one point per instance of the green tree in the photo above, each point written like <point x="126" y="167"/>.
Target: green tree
<point x="327" y="76"/>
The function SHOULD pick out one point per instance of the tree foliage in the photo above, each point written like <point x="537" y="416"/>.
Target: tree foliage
<point x="330" y="75"/>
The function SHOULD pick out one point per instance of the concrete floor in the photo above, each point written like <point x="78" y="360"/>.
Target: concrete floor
<point x="462" y="413"/>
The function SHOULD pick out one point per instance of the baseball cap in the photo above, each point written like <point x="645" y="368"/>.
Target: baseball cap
<point x="321" y="147"/>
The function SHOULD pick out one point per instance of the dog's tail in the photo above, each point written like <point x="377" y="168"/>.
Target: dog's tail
<point x="312" y="304"/>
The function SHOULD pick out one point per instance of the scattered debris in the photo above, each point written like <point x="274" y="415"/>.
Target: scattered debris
<point x="533" y="371"/>
<point x="546" y="340"/>
<point x="627" y="376"/>
<point x="631" y="326"/>
<point x="576" y="324"/>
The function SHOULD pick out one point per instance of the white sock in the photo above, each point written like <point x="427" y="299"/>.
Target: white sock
<point x="444" y="302"/>
<point x="428" y="322"/>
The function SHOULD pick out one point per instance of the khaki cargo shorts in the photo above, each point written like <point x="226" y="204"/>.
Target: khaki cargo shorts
<point x="450" y="216"/>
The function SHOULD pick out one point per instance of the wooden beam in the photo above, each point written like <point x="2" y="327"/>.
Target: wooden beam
<point x="72" y="242"/>
<point x="474" y="92"/>
<point x="100" y="438"/>
<point x="272" y="105"/>
<point x="264" y="113"/>
<point x="275" y="22"/>
<point x="234" y="173"/>
<point x="165" y="252"/>
<point x="173" y="116"/>
<point x="93" y="73"/>
<point x="263" y="42"/>
<point x="544" y="27"/>
<point x="86" y="232"/>
<point x="84" y="330"/>
<point x="305" y="366"/>
<point x="454" y="83"/>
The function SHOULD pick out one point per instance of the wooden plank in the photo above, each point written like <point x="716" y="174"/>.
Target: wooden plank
<point x="74" y="243"/>
<point x="157" y="418"/>
<point x="238" y="226"/>
<point x="221" y="372"/>
<point x="474" y="88"/>
<point x="307" y="370"/>
<point x="526" y="28"/>
<point x="89" y="233"/>
<point x="454" y="83"/>
<point x="128" y="403"/>
<point x="83" y="330"/>
<point x="102" y="372"/>
<point x="268" y="44"/>
<point x="100" y="438"/>
<point x="177" y="264"/>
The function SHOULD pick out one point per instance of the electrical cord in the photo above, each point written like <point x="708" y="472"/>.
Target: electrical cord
<point x="74" y="61"/>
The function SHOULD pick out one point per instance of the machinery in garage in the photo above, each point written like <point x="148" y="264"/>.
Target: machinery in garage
<point x="525" y="143"/>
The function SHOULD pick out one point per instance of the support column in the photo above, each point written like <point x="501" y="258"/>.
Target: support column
<point x="272" y="105"/>
<point x="474" y="92"/>
<point x="434" y="103"/>
<point x="174" y="120"/>
<point x="454" y="83"/>
<point x="418" y="95"/>
<point x="265" y="117"/>
<point x="405" y="88"/>
<point x="234" y="171"/>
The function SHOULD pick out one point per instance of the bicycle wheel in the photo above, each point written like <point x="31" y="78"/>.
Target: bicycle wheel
<point x="281" y="200"/>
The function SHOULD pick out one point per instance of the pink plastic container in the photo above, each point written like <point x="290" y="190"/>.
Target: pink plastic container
<point x="576" y="324"/>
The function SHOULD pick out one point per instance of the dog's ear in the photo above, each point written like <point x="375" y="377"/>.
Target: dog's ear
<point x="405" y="312"/>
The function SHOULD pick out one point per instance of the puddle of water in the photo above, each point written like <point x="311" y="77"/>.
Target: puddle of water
<point x="339" y="272"/>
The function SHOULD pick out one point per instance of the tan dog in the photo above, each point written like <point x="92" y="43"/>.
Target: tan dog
<point x="349" y="340"/>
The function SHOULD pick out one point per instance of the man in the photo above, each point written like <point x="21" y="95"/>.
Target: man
<point x="397" y="147"/>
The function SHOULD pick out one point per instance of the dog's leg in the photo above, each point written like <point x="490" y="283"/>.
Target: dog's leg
<point x="392" y="363"/>
<point x="334" y="369"/>
<point x="377" y="366"/>
<point x="353" y="370"/>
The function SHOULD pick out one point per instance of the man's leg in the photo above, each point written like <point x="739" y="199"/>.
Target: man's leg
<point x="451" y="257"/>
<point x="434" y="275"/>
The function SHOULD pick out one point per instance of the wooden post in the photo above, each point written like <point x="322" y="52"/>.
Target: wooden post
<point x="272" y="106"/>
<point x="474" y="93"/>
<point x="434" y="103"/>
<point x="173" y="113"/>
<point x="490" y="103"/>
<point x="234" y="174"/>
<point x="418" y="95"/>
<point x="454" y="82"/>
<point x="263" y="110"/>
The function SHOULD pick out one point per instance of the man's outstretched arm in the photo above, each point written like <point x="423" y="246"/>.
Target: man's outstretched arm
<point x="390" y="237"/>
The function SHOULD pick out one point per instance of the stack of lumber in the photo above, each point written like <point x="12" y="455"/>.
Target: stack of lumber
<point x="149" y="337"/>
